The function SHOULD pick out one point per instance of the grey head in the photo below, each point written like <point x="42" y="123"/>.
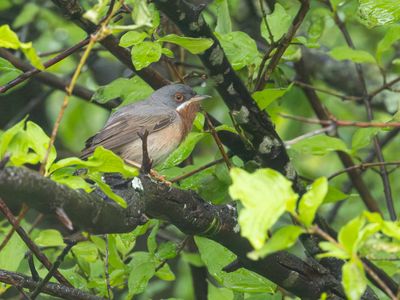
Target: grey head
<point x="176" y="96"/>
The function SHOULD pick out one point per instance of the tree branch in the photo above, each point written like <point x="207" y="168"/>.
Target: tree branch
<point x="53" y="289"/>
<point x="185" y="209"/>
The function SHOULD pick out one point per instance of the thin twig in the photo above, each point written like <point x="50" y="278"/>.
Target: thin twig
<point x="341" y="123"/>
<point x="106" y="267"/>
<point x="364" y="166"/>
<point x="31" y="245"/>
<point x="146" y="160"/>
<point x="9" y="235"/>
<point x="191" y="173"/>
<point x="310" y="134"/>
<point x="178" y="250"/>
<point x="384" y="87"/>
<point x="218" y="142"/>
<point x="53" y="269"/>
<point x="28" y="74"/>
<point x="284" y="43"/>
<point x="326" y="91"/>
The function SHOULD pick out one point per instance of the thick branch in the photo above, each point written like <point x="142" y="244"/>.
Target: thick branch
<point x="184" y="209"/>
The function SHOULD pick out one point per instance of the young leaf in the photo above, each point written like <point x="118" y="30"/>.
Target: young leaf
<point x="216" y="257"/>
<point x="332" y="250"/>
<point x="349" y="233"/>
<point x="8" y="38"/>
<point x="193" y="45"/>
<point x="311" y="200"/>
<point x="347" y="53"/>
<point x="97" y="177"/>
<point x="353" y="279"/>
<point x="375" y="13"/>
<point x="334" y="195"/>
<point x="145" y="53"/>
<point x="264" y="195"/>
<point x="132" y="38"/>
<point x="282" y="239"/>
<point x="320" y="145"/>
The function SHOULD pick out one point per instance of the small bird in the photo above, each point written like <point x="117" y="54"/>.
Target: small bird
<point x="167" y="115"/>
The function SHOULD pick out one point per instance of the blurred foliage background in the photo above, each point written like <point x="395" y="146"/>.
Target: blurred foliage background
<point x="239" y="27"/>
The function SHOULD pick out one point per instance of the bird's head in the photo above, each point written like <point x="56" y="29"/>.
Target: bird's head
<point x="177" y="96"/>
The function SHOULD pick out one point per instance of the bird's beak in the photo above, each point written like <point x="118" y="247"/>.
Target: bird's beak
<point x="194" y="99"/>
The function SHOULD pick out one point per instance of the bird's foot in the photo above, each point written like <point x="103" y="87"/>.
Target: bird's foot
<point x="159" y="177"/>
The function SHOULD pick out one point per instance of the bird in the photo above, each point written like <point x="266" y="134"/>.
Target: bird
<point x="167" y="115"/>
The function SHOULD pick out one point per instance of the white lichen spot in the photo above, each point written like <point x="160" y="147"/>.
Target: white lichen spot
<point x="290" y="171"/>
<point x="137" y="184"/>
<point x="218" y="78"/>
<point x="231" y="89"/>
<point x="236" y="229"/>
<point x="241" y="116"/>
<point x="184" y="206"/>
<point x="182" y="16"/>
<point x="216" y="56"/>
<point x="227" y="71"/>
<point x="291" y="279"/>
<point x="230" y="207"/>
<point x="194" y="26"/>
<point x="266" y="145"/>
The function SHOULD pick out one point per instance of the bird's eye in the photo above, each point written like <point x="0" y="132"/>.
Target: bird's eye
<point x="178" y="97"/>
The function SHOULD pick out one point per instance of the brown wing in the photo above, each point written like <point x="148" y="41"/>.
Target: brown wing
<point x="123" y="128"/>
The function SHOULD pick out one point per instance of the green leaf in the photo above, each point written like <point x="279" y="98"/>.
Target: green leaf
<point x="332" y="250"/>
<point x="66" y="176"/>
<point x="240" y="49"/>
<point x="192" y="258"/>
<point x="132" y="38"/>
<point x="165" y="273"/>
<point x="167" y="52"/>
<point x="279" y="22"/>
<point x="142" y="268"/>
<point x="216" y="257"/>
<point x="13" y="253"/>
<point x="151" y="240"/>
<point x="198" y="122"/>
<point x="320" y="145"/>
<point x="145" y="53"/>
<point x="224" y="24"/>
<point x="282" y="239"/>
<point x="334" y="195"/>
<point x="392" y="35"/>
<point x="265" y="97"/>
<point x="311" y="200"/>
<point x="183" y="151"/>
<point x="362" y="138"/>
<point x="379" y="12"/>
<point x="193" y="45"/>
<point x="8" y="135"/>
<point x="349" y="233"/>
<point x="8" y="38"/>
<point x="347" y="53"/>
<point x="264" y="195"/>
<point x="96" y="13"/>
<point x="7" y="71"/>
<point x="49" y="238"/>
<point x="353" y="279"/>
<point x="102" y="160"/>
<point x="166" y="250"/>
<point x="86" y="251"/>
<point x="129" y="90"/>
